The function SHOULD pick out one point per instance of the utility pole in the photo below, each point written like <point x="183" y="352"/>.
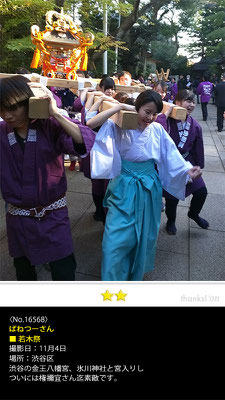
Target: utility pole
<point x="105" y="30"/>
<point x="116" y="49"/>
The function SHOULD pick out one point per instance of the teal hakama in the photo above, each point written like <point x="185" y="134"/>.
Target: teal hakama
<point x="132" y="224"/>
<point x="134" y="194"/>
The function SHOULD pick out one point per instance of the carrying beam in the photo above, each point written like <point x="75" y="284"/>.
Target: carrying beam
<point x="124" y="119"/>
<point x="65" y="83"/>
<point x="129" y="120"/>
<point x="38" y="108"/>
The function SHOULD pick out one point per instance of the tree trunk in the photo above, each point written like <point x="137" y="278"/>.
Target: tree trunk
<point x="128" y="22"/>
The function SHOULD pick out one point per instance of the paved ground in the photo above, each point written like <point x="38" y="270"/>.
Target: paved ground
<point x="194" y="254"/>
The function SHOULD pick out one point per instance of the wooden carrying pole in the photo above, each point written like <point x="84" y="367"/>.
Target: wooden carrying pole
<point x="65" y="83"/>
<point x="38" y="108"/>
<point x="129" y="119"/>
<point x="130" y="89"/>
<point x="71" y="84"/>
<point x="124" y="119"/>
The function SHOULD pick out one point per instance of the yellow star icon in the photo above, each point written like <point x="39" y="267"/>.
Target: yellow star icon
<point x="107" y="295"/>
<point x="121" y="295"/>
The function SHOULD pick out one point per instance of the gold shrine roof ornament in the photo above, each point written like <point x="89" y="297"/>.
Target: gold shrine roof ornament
<point x="61" y="49"/>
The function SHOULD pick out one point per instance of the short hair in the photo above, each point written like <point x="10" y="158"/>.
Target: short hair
<point x="206" y="77"/>
<point x="121" y="97"/>
<point x="149" y="96"/>
<point x="108" y="83"/>
<point x="14" y="92"/>
<point x="22" y="70"/>
<point x="122" y="73"/>
<point x="130" y="100"/>
<point x="184" y="94"/>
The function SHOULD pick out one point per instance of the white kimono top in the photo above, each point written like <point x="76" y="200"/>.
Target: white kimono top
<point x="113" y="144"/>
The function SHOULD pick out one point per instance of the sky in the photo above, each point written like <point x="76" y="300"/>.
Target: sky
<point x="184" y="39"/>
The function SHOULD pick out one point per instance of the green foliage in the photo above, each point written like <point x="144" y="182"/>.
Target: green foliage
<point x="16" y="18"/>
<point x="157" y="29"/>
<point x="23" y="44"/>
<point x="179" y="65"/>
<point x="164" y="52"/>
<point x="209" y="29"/>
<point x="166" y="55"/>
<point x="17" y="13"/>
<point x="102" y="43"/>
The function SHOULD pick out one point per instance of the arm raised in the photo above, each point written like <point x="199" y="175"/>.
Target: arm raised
<point x="100" y="118"/>
<point x="68" y="126"/>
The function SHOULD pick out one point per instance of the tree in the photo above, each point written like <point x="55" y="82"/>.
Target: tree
<point x="157" y="31"/>
<point x="16" y="18"/>
<point x="142" y="26"/>
<point x="208" y="32"/>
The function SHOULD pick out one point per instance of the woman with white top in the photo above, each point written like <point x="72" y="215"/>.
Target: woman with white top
<point x="134" y="195"/>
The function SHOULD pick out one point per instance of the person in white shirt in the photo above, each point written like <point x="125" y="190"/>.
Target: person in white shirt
<point x="134" y="194"/>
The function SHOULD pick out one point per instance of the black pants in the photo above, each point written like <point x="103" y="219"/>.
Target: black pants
<point x="196" y="205"/>
<point x="204" y="111"/>
<point x="61" y="270"/>
<point x="220" y="111"/>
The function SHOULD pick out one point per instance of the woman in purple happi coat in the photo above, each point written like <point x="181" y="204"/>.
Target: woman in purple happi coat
<point x="33" y="181"/>
<point x="187" y="136"/>
<point x="205" y="89"/>
<point x="173" y="89"/>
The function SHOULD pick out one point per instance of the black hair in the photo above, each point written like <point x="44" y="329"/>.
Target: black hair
<point x="22" y="70"/>
<point x="78" y="71"/>
<point x="206" y="77"/>
<point x="130" y="100"/>
<point x="122" y="73"/>
<point x="14" y="92"/>
<point x="149" y="96"/>
<point x="108" y="83"/>
<point x="104" y="76"/>
<point x="184" y="94"/>
<point x="102" y="81"/>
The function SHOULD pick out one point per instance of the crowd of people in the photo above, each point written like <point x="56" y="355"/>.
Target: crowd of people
<point x="130" y="169"/>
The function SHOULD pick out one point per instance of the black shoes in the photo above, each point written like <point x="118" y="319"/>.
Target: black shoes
<point x="171" y="228"/>
<point x="199" y="221"/>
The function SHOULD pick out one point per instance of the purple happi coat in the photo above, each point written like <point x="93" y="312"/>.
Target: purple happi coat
<point x="193" y="149"/>
<point x="79" y="107"/>
<point x="99" y="186"/>
<point x="173" y="90"/>
<point x="37" y="178"/>
<point x="205" y="90"/>
<point x="85" y="162"/>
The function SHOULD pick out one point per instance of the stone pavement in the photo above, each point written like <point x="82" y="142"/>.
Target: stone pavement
<point x="194" y="254"/>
